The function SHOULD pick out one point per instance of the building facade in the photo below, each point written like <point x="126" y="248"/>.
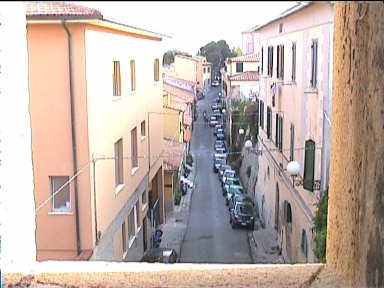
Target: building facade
<point x="98" y="99"/>
<point x="203" y="70"/>
<point x="294" y="123"/>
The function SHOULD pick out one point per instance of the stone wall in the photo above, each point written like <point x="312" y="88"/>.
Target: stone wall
<point x="355" y="244"/>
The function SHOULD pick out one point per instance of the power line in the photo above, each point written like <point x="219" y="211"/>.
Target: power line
<point x="62" y="187"/>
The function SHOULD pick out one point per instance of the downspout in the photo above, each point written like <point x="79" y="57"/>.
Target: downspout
<point x="73" y="128"/>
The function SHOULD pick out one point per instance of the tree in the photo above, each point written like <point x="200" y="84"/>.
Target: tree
<point x="216" y="53"/>
<point x="236" y="51"/>
<point x="169" y="56"/>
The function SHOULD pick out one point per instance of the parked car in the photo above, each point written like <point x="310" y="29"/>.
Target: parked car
<point x="160" y="255"/>
<point x="232" y="191"/>
<point x="223" y="168"/>
<point x="219" y="144"/>
<point x="242" y="214"/>
<point x="218" y="130"/>
<point x="230" y="181"/>
<point x="220" y="150"/>
<point x="240" y="198"/>
<point x="220" y="136"/>
<point x="217" y="162"/>
<point x="228" y="174"/>
<point x="215" y="106"/>
<point x="213" y="121"/>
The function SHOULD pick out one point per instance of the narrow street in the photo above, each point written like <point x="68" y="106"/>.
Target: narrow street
<point x="209" y="237"/>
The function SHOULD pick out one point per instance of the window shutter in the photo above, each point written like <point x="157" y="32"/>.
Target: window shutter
<point x="291" y="156"/>
<point x="280" y="133"/>
<point x="282" y="62"/>
<point x="309" y="165"/>
<point x="315" y="65"/>
<point x="262" y="59"/>
<point x="277" y="131"/>
<point x="278" y="61"/>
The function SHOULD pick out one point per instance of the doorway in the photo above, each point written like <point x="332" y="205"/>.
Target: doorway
<point x="145" y="233"/>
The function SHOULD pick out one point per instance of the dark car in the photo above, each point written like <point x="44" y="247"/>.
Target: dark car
<point x="160" y="255"/>
<point x="242" y="215"/>
<point x="220" y="136"/>
<point x="217" y="164"/>
<point x="219" y="144"/>
<point x="230" y="181"/>
<point x="240" y="198"/>
<point x="218" y="131"/>
<point x="233" y="190"/>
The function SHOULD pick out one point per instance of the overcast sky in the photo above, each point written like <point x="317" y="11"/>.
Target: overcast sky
<point x="192" y="24"/>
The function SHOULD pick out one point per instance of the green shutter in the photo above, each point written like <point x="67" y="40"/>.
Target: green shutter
<point x="309" y="165"/>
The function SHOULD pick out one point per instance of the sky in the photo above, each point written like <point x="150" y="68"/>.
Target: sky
<point x="192" y="24"/>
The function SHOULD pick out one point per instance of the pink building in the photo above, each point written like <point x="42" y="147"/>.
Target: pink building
<point x="294" y="119"/>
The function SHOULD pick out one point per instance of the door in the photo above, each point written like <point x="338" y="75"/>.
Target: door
<point x="277" y="210"/>
<point x="145" y="234"/>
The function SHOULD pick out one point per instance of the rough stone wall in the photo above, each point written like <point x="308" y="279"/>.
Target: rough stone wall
<point x="355" y="244"/>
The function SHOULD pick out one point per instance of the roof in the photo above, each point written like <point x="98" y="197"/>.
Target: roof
<point x="186" y="96"/>
<point x="295" y="8"/>
<point x="179" y="106"/>
<point x="245" y="76"/>
<point x="171" y="79"/>
<point x="172" y="154"/>
<point x="49" y="9"/>
<point x="249" y="30"/>
<point x="58" y="10"/>
<point x="245" y="58"/>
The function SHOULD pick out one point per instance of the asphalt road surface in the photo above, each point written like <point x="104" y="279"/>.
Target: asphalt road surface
<point x="209" y="237"/>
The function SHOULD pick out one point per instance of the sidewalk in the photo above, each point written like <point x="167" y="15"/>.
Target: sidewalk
<point x="264" y="246"/>
<point x="177" y="222"/>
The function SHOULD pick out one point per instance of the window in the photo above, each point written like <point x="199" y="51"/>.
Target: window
<point x="61" y="200"/>
<point x="293" y="77"/>
<point x="131" y="224"/>
<point x="304" y="244"/>
<point x="133" y="75"/>
<point x="143" y="129"/>
<point x="314" y="64"/>
<point x="279" y="132"/>
<point x="280" y="62"/>
<point x="270" y="61"/>
<point x="261" y="114"/>
<point x="292" y="148"/>
<point x="250" y="47"/>
<point x="156" y="70"/>
<point x="262" y="60"/>
<point x="280" y="27"/>
<point x="119" y="179"/>
<point x="124" y="237"/>
<point x="204" y="70"/>
<point x="269" y="122"/>
<point x="116" y="79"/>
<point x="209" y="70"/>
<point x="239" y="67"/>
<point x="288" y="212"/>
<point x="144" y="198"/>
<point x="309" y="165"/>
<point x="138" y="214"/>
<point x="134" y="158"/>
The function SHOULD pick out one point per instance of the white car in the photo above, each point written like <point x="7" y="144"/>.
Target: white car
<point x="215" y="83"/>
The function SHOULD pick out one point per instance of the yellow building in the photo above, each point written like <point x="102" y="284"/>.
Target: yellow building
<point x="96" y="113"/>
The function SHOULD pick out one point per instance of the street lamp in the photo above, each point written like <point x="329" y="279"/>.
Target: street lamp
<point x="293" y="168"/>
<point x="241" y="131"/>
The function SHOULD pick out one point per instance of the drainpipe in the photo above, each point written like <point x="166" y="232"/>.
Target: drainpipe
<point x="73" y="128"/>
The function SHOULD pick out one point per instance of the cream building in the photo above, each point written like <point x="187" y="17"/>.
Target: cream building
<point x="294" y="120"/>
<point x="97" y="133"/>
<point x="203" y="70"/>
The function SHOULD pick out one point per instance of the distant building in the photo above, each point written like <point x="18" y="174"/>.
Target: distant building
<point x="204" y="72"/>
<point x="96" y="112"/>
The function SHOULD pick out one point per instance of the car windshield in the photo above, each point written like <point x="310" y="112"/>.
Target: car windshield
<point x="244" y="209"/>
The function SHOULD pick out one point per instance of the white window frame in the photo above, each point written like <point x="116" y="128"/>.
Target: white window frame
<point x="52" y="190"/>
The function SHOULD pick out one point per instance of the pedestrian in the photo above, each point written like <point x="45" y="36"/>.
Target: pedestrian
<point x="185" y="188"/>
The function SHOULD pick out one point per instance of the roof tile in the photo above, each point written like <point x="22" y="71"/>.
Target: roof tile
<point x="245" y="76"/>
<point x="246" y="58"/>
<point x="58" y="9"/>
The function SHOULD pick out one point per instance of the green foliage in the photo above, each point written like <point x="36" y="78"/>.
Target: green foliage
<point x="320" y="223"/>
<point x="169" y="56"/>
<point x="236" y="51"/>
<point x="216" y="53"/>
